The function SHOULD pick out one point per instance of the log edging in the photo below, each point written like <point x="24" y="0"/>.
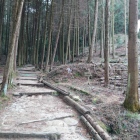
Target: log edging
<point x="92" y="131"/>
<point x="96" y="131"/>
<point x="62" y="92"/>
<point x="77" y="106"/>
<point x="104" y="135"/>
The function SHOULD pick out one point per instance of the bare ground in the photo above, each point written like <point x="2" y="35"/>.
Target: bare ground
<point x="106" y="103"/>
<point x="44" y="113"/>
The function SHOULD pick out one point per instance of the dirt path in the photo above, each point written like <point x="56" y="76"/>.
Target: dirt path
<point x="104" y="103"/>
<point x="42" y="115"/>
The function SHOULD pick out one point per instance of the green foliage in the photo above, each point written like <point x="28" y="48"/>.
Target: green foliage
<point x="55" y="93"/>
<point x="138" y="9"/>
<point x="94" y="100"/>
<point x="119" y="16"/>
<point x="139" y="35"/>
<point x="77" y="74"/>
<point x="132" y="115"/>
<point x="4" y="98"/>
<point x="119" y="40"/>
<point x="102" y="125"/>
<point x="79" y="90"/>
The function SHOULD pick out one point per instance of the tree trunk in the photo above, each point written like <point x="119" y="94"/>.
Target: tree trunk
<point x="2" y="6"/>
<point x="58" y="34"/>
<point x="68" y="36"/>
<point x="102" y="32"/>
<point x="94" y="33"/>
<point x="106" y="49"/>
<point x="125" y="27"/>
<point x="132" y="98"/>
<point x="45" y="36"/>
<point x="89" y="28"/>
<point x="7" y="76"/>
<point x="50" y="36"/>
<point x="63" y="44"/>
<point x="113" y="47"/>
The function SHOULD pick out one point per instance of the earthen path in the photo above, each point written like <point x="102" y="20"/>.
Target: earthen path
<point x="39" y="113"/>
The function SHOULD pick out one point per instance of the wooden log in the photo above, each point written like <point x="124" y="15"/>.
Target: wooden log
<point x="94" y="124"/>
<point x="28" y="72"/>
<point x="33" y="93"/>
<point x="78" y="107"/>
<point x="27" y="78"/>
<point x="92" y="131"/>
<point x="27" y="75"/>
<point x="50" y="136"/>
<point x="27" y="84"/>
<point x="62" y="92"/>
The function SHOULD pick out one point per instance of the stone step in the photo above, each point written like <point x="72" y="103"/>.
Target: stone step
<point x="49" y="135"/>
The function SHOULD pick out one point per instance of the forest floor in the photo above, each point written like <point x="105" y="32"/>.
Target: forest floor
<point x="105" y="103"/>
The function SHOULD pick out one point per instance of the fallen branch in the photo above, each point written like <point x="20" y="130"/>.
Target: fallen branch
<point x="46" y="119"/>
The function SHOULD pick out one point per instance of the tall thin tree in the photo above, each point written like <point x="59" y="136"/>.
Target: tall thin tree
<point x="50" y="36"/>
<point x="106" y="48"/>
<point x="8" y="71"/>
<point x="94" y="32"/>
<point x="58" y="34"/>
<point x="132" y="97"/>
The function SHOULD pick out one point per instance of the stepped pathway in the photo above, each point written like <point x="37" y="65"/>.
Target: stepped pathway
<point x="38" y="113"/>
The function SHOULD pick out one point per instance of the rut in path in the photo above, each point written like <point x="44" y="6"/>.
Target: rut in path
<point x="38" y="113"/>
